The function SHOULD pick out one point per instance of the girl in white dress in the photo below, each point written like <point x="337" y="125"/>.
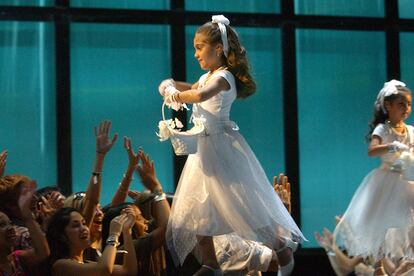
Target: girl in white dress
<point x="385" y="198"/>
<point x="223" y="188"/>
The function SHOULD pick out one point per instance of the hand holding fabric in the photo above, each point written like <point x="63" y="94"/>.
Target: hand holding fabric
<point x="164" y="84"/>
<point x="397" y="147"/>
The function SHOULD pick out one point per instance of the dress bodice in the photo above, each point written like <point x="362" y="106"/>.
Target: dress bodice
<point x="216" y="110"/>
<point x="388" y="135"/>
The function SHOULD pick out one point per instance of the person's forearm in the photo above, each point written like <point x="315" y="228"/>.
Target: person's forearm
<point x="130" y="259"/>
<point x="336" y="268"/>
<point x="122" y="192"/>
<point x="161" y="212"/>
<point x="40" y="245"/>
<point x="378" y="150"/>
<point x="93" y="192"/>
<point x="182" y="86"/>
<point x="106" y="262"/>
<point x="190" y="96"/>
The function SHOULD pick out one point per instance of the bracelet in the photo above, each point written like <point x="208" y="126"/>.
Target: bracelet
<point x="159" y="197"/>
<point x="112" y="240"/>
<point x="157" y="191"/>
<point x="176" y="97"/>
<point x="131" y="177"/>
<point x="96" y="173"/>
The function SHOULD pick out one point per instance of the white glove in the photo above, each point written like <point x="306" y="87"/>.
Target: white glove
<point x="164" y="84"/>
<point x="170" y="91"/>
<point x="397" y="146"/>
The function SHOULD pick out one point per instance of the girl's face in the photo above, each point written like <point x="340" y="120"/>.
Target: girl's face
<point x="96" y="227"/>
<point x="208" y="56"/>
<point x="141" y="223"/>
<point x="399" y="109"/>
<point x="7" y="232"/>
<point x="76" y="232"/>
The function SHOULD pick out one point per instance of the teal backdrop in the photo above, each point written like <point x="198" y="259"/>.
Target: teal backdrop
<point x="116" y="69"/>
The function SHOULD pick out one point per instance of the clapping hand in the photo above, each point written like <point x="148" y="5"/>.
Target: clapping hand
<point x="282" y="188"/>
<point x="103" y="141"/>
<point x="45" y="209"/>
<point x="3" y="161"/>
<point x="130" y="221"/>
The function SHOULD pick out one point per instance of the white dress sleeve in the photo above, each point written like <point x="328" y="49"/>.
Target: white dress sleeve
<point x="228" y="77"/>
<point x="380" y="130"/>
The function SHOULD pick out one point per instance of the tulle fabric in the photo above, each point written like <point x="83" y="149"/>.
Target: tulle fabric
<point x="223" y="189"/>
<point x="383" y="201"/>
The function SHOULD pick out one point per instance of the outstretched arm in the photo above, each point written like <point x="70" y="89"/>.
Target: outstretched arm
<point x="40" y="250"/>
<point x="160" y="207"/>
<point x="376" y="148"/>
<point x="122" y="192"/>
<point x="93" y="193"/>
<point x="194" y="95"/>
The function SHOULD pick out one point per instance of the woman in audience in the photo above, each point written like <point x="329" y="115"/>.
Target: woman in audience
<point x="152" y="213"/>
<point x="88" y="203"/>
<point x="68" y="237"/>
<point x="20" y="262"/>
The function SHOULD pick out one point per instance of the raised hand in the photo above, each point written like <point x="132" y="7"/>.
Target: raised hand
<point x="146" y="171"/>
<point x="132" y="156"/>
<point x="3" y="161"/>
<point x="45" y="210"/>
<point x="325" y="240"/>
<point x="25" y="199"/>
<point x="282" y="188"/>
<point x="103" y="141"/>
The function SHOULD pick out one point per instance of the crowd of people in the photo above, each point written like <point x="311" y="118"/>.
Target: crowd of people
<point x="43" y="232"/>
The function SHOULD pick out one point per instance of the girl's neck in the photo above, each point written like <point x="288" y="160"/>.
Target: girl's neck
<point x="77" y="256"/>
<point x="216" y="68"/>
<point x="399" y="124"/>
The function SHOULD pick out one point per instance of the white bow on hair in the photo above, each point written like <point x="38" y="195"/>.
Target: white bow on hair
<point x="389" y="89"/>
<point x="222" y="22"/>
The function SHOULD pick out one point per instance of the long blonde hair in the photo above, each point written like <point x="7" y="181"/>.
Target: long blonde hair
<point x="236" y="60"/>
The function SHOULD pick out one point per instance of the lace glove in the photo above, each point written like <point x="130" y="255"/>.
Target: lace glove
<point x="164" y="84"/>
<point x="397" y="147"/>
<point x="170" y="91"/>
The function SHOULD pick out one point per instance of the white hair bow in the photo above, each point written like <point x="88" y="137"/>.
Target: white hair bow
<point x="222" y="21"/>
<point x="389" y="89"/>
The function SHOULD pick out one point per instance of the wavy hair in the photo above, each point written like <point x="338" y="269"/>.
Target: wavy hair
<point x="236" y="60"/>
<point x="379" y="115"/>
<point x="10" y="186"/>
<point x="55" y="235"/>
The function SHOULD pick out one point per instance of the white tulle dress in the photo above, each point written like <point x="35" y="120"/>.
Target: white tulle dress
<point x="223" y="188"/>
<point x="383" y="201"/>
